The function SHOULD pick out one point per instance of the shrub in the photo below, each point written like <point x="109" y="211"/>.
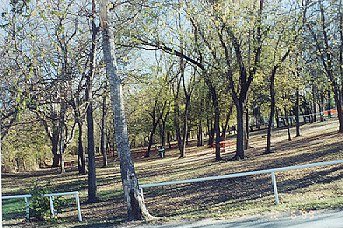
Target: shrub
<point x="40" y="205"/>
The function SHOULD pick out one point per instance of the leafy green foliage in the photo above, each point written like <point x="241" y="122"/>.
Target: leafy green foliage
<point x="40" y="205"/>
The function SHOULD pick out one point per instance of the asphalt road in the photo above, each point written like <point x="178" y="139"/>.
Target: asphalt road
<point x="294" y="219"/>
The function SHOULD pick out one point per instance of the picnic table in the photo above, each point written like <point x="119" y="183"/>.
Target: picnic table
<point x="69" y="163"/>
<point x="224" y="144"/>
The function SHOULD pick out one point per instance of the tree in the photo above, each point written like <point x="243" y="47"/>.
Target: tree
<point x="92" y="187"/>
<point x="280" y="52"/>
<point x="135" y="202"/>
<point x="103" y="130"/>
<point x="323" y="39"/>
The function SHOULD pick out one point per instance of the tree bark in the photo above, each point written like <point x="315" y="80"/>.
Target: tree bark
<point x="339" y="111"/>
<point x="61" y="146"/>
<point x="163" y="133"/>
<point x="136" y="209"/>
<point x="321" y="107"/>
<point x="297" y="120"/>
<point x="200" y="141"/>
<point x="277" y="117"/>
<point x="210" y="131"/>
<point x="92" y="187"/>
<point x="288" y="127"/>
<point x="314" y="91"/>
<point x="80" y="152"/>
<point x="247" y="130"/>
<point x="216" y="130"/>
<point x="103" y="132"/>
<point x="54" y="146"/>
<point x="177" y="126"/>
<point x="168" y="139"/>
<point x="185" y="127"/>
<point x="240" y="131"/>
<point x="151" y="139"/>
<point x="227" y="119"/>
<point x="272" y="109"/>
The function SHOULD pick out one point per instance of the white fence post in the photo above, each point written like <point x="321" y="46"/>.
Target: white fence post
<point x="27" y="207"/>
<point x="275" y="188"/>
<point x="78" y="206"/>
<point x="52" y="206"/>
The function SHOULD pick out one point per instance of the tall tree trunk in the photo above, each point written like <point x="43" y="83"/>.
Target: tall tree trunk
<point x="247" y="130"/>
<point x="177" y="114"/>
<point x="188" y="135"/>
<point x="185" y="127"/>
<point x="216" y="130"/>
<point x="272" y="110"/>
<point x="297" y="120"/>
<point x="177" y="125"/>
<point x="314" y="92"/>
<point x="288" y="127"/>
<point x="151" y="139"/>
<point x="92" y="187"/>
<point x="168" y="139"/>
<point x="163" y="133"/>
<point x="54" y="146"/>
<point x="136" y="209"/>
<point x="227" y="119"/>
<point x="81" y="158"/>
<point x="210" y="131"/>
<point x="277" y="117"/>
<point x="321" y="107"/>
<point x="62" y="135"/>
<point x="200" y="141"/>
<point x="339" y="111"/>
<point x="240" y="131"/>
<point x="103" y="133"/>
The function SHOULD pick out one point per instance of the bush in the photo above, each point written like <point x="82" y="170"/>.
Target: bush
<point x="40" y="205"/>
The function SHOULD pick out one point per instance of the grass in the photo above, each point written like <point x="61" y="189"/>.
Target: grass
<point x="308" y="189"/>
<point x="13" y="208"/>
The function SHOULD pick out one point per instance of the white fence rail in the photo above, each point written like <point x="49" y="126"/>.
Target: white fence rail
<point x="26" y="198"/>
<point x="265" y="171"/>
<point x="51" y="200"/>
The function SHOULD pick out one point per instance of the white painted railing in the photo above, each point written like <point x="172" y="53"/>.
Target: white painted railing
<point x="27" y="203"/>
<point x="265" y="171"/>
<point x="51" y="200"/>
<point x="77" y="199"/>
